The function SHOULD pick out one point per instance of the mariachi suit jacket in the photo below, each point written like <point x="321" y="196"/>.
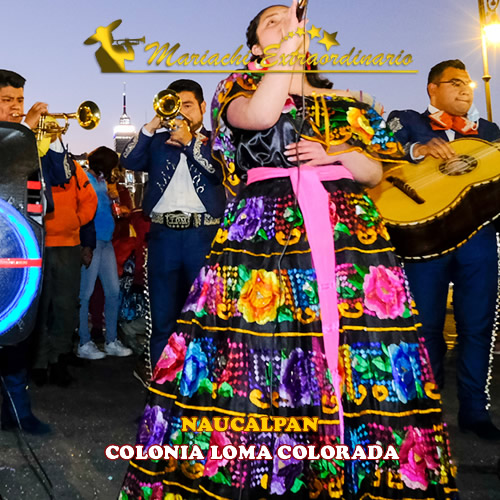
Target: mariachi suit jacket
<point x="159" y="160"/>
<point x="411" y="126"/>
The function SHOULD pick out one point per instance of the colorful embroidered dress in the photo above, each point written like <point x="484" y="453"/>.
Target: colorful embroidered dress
<point x="250" y="339"/>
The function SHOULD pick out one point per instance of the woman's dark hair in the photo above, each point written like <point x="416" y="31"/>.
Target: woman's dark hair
<point x="102" y="161"/>
<point x="314" y="79"/>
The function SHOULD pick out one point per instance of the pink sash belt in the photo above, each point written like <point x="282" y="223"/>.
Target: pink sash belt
<point x="314" y="203"/>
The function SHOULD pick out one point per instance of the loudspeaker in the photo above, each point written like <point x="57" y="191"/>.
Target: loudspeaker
<point x="21" y="232"/>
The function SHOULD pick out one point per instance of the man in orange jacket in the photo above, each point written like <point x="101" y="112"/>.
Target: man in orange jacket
<point x="75" y="203"/>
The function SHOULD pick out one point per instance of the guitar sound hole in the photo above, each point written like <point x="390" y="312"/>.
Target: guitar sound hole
<point x="459" y="165"/>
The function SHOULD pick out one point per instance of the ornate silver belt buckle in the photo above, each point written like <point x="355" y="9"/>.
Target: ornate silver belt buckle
<point x="177" y="221"/>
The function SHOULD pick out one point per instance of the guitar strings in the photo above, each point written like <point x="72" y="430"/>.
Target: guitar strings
<point x="423" y="179"/>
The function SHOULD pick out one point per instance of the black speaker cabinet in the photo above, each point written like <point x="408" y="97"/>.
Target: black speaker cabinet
<point x="21" y="232"/>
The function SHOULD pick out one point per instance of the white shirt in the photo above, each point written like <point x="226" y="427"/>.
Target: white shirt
<point x="180" y="194"/>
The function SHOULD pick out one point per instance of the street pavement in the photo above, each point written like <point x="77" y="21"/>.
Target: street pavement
<point x="103" y="406"/>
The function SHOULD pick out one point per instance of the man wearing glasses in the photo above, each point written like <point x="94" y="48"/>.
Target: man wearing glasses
<point x="472" y="267"/>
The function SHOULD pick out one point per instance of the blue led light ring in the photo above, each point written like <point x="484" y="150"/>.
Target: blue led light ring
<point x="30" y="249"/>
<point x="11" y="308"/>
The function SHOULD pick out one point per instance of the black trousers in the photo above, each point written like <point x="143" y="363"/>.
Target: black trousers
<point x="58" y="311"/>
<point x="13" y="364"/>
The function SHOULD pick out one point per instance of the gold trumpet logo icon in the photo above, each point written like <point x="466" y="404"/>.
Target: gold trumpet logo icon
<point x="112" y="54"/>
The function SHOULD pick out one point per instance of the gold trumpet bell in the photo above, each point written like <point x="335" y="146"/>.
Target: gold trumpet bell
<point x="167" y="105"/>
<point x="88" y="115"/>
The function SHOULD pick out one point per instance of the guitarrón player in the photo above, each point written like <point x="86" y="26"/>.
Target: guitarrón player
<point x="472" y="267"/>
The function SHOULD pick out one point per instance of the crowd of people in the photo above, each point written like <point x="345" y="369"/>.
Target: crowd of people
<point x="273" y="284"/>
<point x="78" y="230"/>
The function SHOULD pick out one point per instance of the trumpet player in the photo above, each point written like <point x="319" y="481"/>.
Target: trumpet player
<point x="71" y="203"/>
<point x="185" y="200"/>
<point x="13" y="359"/>
<point x="56" y="167"/>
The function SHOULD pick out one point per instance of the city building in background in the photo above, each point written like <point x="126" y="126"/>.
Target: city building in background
<point x="125" y="130"/>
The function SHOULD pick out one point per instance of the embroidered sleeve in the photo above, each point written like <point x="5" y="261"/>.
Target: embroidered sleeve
<point x="395" y="124"/>
<point x="337" y="120"/>
<point x="223" y="136"/>
<point x="130" y="146"/>
<point x="198" y="156"/>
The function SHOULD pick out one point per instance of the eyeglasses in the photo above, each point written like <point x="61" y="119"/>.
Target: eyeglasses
<point x="459" y="84"/>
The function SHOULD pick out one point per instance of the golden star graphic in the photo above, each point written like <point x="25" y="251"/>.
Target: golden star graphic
<point x="329" y="39"/>
<point x="301" y="32"/>
<point x="314" y="32"/>
<point x="291" y="34"/>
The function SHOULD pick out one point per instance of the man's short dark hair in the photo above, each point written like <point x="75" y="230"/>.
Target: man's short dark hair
<point x="188" y="86"/>
<point x="11" y="79"/>
<point x="437" y="70"/>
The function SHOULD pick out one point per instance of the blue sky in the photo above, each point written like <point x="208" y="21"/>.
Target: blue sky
<point x="44" y="42"/>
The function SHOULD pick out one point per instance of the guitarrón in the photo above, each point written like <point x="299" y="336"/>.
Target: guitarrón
<point x="436" y="206"/>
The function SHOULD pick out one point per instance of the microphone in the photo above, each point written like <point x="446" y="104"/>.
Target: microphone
<point x="301" y="7"/>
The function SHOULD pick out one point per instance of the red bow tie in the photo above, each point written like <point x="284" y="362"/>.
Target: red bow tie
<point x="441" y="120"/>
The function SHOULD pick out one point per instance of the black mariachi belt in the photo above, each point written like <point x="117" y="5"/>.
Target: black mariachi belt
<point x="181" y="220"/>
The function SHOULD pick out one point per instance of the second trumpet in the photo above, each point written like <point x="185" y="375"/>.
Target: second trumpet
<point x="167" y="105"/>
<point x="88" y="116"/>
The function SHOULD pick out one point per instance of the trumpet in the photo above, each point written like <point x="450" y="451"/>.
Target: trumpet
<point x="167" y="105"/>
<point x="88" y="116"/>
<point x="130" y="41"/>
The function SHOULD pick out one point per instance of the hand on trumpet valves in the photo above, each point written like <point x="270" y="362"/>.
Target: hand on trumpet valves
<point x="33" y="115"/>
<point x="181" y="136"/>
